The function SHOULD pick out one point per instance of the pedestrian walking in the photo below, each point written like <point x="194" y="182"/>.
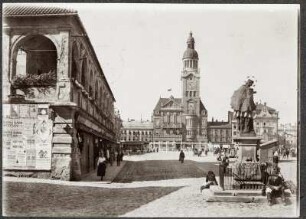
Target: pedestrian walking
<point x="121" y="156"/>
<point x="101" y="164"/>
<point x="118" y="158"/>
<point x="182" y="156"/>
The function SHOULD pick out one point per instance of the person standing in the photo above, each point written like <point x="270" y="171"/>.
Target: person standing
<point x="101" y="164"/>
<point x="182" y="156"/>
<point x="225" y="162"/>
<point x="118" y="158"/>
<point x="275" y="157"/>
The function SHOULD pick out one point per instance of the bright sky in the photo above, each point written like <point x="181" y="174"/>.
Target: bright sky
<point x="140" y="49"/>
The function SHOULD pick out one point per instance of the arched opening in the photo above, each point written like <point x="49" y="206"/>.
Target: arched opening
<point x="90" y="87"/>
<point x="34" y="62"/>
<point x="74" y="64"/>
<point x="84" y="72"/>
<point x="96" y="91"/>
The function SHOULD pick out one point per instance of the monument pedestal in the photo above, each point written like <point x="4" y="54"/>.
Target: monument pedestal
<point x="248" y="147"/>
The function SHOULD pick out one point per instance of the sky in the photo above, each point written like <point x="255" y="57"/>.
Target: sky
<point x="140" y="49"/>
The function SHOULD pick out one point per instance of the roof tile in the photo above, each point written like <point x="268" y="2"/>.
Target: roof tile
<point x="17" y="10"/>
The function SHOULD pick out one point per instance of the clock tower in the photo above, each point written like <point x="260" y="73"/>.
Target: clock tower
<point x="194" y="112"/>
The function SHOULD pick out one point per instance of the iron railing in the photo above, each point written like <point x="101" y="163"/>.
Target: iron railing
<point x="241" y="176"/>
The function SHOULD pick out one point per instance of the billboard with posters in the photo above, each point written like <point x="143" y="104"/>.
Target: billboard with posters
<point x="27" y="136"/>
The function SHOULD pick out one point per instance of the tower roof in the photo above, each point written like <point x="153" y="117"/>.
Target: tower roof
<point x="190" y="52"/>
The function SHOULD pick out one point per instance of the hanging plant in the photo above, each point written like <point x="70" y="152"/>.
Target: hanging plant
<point x="32" y="80"/>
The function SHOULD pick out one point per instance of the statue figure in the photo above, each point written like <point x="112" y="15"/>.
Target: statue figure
<point x="243" y="105"/>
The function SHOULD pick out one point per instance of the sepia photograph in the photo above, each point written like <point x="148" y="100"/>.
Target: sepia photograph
<point x="150" y="110"/>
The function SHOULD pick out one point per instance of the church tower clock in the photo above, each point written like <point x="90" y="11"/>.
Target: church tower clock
<point x="193" y="109"/>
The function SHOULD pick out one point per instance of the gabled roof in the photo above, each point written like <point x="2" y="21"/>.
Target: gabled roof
<point x="260" y="106"/>
<point x="163" y="101"/>
<point x="28" y="10"/>
<point x="202" y="107"/>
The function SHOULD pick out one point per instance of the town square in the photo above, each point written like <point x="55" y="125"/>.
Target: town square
<point x="150" y="110"/>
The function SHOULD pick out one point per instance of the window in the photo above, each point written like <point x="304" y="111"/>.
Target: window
<point x="84" y="72"/>
<point x="35" y="55"/>
<point x="75" y="57"/>
<point x="90" y="87"/>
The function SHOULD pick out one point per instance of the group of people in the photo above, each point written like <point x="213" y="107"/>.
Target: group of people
<point x="271" y="177"/>
<point x="102" y="163"/>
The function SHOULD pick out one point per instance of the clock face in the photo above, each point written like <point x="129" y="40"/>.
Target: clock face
<point x="191" y="85"/>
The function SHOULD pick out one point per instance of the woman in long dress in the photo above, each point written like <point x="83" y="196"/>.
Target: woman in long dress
<point x="101" y="166"/>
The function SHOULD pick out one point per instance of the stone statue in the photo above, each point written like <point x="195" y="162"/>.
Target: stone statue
<point x="243" y="105"/>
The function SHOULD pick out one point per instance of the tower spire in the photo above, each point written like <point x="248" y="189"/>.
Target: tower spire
<point x="190" y="41"/>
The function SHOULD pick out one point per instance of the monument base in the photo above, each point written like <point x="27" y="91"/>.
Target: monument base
<point x="248" y="147"/>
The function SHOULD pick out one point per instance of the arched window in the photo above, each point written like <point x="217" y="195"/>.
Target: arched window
<point x="74" y="64"/>
<point x="96" y="90"/>
<point x="84" y="72"/>
<point x="90" y="87"/>
<point x="35" y="55"/>
<point x="100" y="98"/>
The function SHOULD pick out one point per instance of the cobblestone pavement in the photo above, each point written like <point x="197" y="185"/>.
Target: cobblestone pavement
<point x="187" y="201"/>
<point x="171" y="155"/>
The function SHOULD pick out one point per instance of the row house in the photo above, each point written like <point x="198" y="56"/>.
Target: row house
<point x="56" y="97"/>
<point x="220" y="132"/>
<point x="136" y="135"/>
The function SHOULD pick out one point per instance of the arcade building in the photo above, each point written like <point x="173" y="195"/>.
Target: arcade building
<point x="58" y="108"/>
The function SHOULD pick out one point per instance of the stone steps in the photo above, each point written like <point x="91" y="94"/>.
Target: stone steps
<point x="246" y="196"/>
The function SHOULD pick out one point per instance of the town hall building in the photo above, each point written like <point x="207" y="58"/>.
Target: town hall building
<point x="182" y="122"/>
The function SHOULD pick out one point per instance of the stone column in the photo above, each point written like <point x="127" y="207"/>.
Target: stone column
<point x="6" y="86"/>
<point x="63" y="88"/>
<point x="64" y="143"/>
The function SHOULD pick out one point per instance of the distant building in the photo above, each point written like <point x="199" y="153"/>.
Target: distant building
<point x="288" y="134"/>
<point x="117" y="127"/>
<point x="136" y="135"/>
<point x="265" y="123"/>
<point x="58" y="108"/>
<point x="182" y="122"/>
<point x="220" y="132"/>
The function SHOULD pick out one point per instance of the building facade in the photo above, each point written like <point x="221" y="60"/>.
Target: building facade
<point x="265" y="123"/>
<point x="136" y="136"/>
<point x="288" y="134"/>
<point x="182" y="121"/>
<point x="55" y="95"/>
<point x="220" y="132"/>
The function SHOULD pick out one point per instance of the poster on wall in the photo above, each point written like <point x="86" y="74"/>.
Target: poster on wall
<point x="27" y="136"/>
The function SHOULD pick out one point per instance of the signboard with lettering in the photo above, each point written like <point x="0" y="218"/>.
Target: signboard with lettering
<point x="27" y="136"/>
